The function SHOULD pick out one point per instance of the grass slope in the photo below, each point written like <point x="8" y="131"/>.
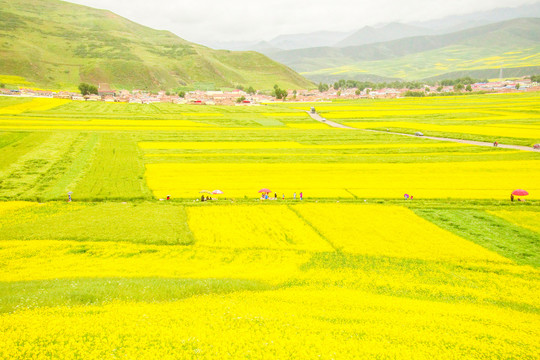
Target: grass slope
<point x="57" y="44"/>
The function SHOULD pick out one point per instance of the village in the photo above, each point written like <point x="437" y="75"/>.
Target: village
<point x="238" y="97"/>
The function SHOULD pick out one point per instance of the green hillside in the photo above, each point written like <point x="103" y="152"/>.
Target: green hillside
<point x="56" y="44"/>
<point x="509" y="44"/>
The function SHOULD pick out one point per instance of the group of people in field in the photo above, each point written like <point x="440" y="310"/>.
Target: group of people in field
<point x="518" y="199"/>
<point x="266" y="196"/>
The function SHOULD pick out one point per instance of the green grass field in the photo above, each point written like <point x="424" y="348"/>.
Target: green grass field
<point x="353" y="270"/>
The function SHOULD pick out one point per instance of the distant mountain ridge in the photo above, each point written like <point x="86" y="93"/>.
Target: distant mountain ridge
<point x="514" y="43"/>
<point x="59" y="44"/>
<point x="315" y="39"/>
<point x="455" y="23"/>
<point x="392" y="31"/>
<point x="385" y="32"/>
<point x="285" y="42"/>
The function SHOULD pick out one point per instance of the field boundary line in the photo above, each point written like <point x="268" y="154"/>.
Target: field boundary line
<point x="313" y="227"/>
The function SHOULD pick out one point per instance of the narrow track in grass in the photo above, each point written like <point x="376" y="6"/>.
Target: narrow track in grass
<point x="319" y="118"/>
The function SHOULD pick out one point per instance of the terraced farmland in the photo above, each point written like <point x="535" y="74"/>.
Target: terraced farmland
<point x="353" y="270"/>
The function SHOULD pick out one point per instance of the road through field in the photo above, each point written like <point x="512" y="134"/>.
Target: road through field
<point x="317" y="117"/>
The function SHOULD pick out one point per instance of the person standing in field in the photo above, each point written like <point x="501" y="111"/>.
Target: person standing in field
<point x="275" y="196"/>
<point x="283" y="196"/>
<point x="294" y="196"/>
<point x="301" y="195"/>
<point x="512" y="197"/>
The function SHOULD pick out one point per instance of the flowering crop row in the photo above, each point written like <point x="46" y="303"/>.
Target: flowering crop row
<point x="508" y="130"/>
<point x="222" y="145"/>
<point x="13" y="205"/>
<point x="342" y="281"/>
<point x="296" y="323"/>
<point x="527" y="219"/>
<point x="479" y="180"/>
<point x="389" y="231"/>
<point x="38" y="104"/>
<point x="273" y="227"/>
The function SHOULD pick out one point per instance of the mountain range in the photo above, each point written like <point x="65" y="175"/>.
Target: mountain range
<point x="383" y="32"/>
<point x="56" y="44"/>
<point x="512" y="44"/>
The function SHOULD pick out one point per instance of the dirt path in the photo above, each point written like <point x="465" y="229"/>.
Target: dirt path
<point x="319" y="118"/>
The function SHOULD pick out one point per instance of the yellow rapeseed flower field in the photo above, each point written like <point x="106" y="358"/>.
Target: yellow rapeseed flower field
<point x="509" y="130"/>
<point x="473" y="180"/>
<point x="272" y="227"/>
<point x="353" y="271"/>
<point x="37" y="104"/>
<point x="342" y="281"/>
<point x="221" y="145"/>
<point x="13" y="205"/>
<point x="99" y="124"/>
<point x="527" y="219"/>
<point x="301" y="323"/>
<point x="52" y="259"/>
<point x="390" y="231"/>
<point x="330" y="323"/>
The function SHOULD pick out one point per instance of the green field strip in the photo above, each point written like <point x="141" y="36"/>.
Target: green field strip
<point x="514" y="242"/>
<point x="116" y="171"/>
<point x="74" y="165"/>
<point x="11" y="151"/>
<point x="146" y="223"/>
<point x="98" y="291"/>
<point x="46" y="184"/>
<point x="8" y="138"/>
<point x="21" y="177"/>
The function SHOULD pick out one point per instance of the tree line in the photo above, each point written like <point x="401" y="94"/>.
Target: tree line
<point x="362" y="85"/>
<point x="87" y="89"/>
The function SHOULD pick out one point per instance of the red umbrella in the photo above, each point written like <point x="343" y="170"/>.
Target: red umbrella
<point x="217" y="192"/>
<point x="265" y="191"/>
<point x="520" y="192"/>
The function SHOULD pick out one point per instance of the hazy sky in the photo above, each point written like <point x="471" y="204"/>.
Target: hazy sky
<point x="205" y="21"/>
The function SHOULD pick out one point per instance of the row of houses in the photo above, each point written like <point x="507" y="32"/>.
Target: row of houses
<point x="240" y="97"/>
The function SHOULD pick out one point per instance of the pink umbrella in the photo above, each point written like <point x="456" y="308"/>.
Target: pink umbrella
<point x="520" y="192"/>
<point x="216" y="192"/>
<point x="265" y="190"/>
